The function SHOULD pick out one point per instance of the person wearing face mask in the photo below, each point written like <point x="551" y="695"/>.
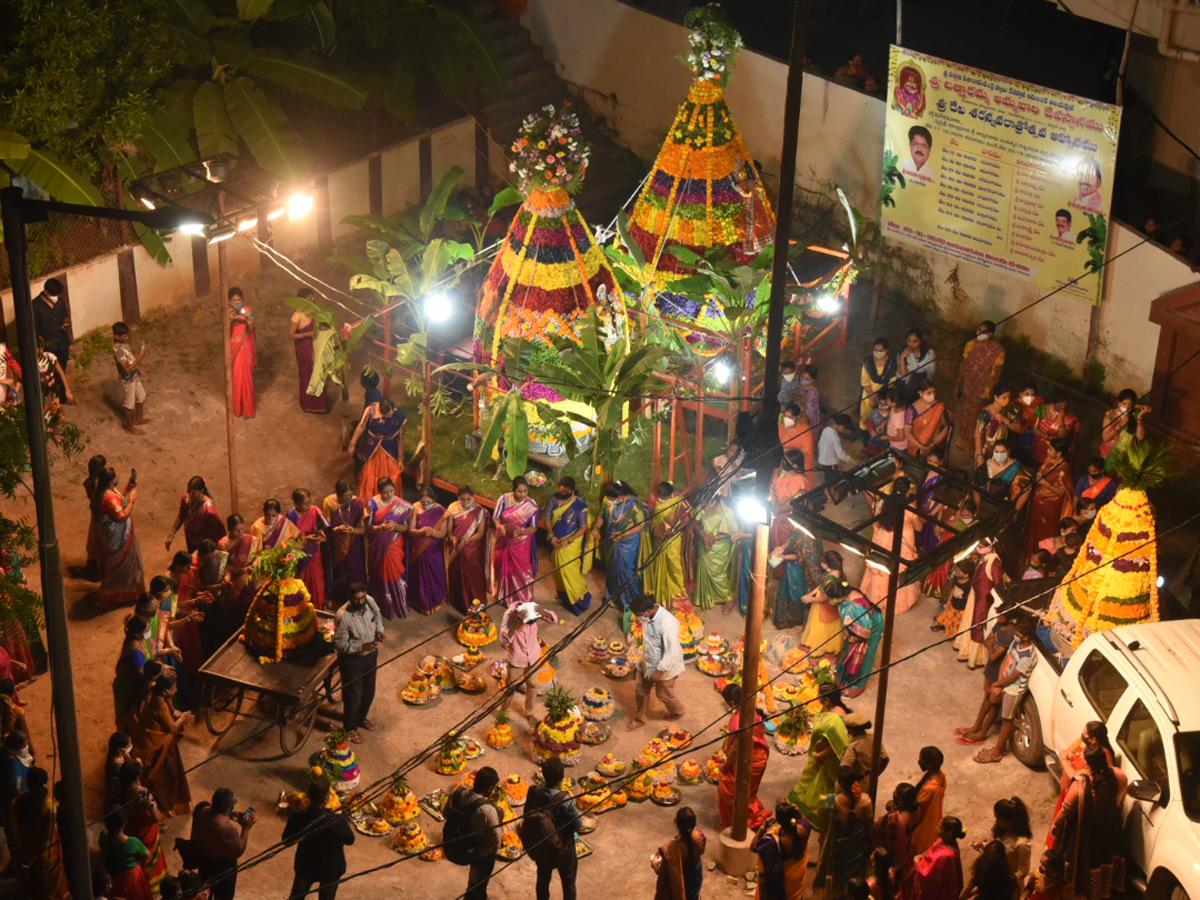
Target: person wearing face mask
<point x="1003" y="477"/>
<point x="993" y="423"/>
<point x="959" y="521"/>
<point x="1096" y="485"/>
<point x="982" y="363"/>
<point x="1053" y="498"/>
<point x="1023" y="419"/>
<point x="876" y="441"/>
<point x="1123" y="423"/>
<point x="797" y="434"/>
<point x="789" y="386"/>
<point x="619" y="535"/>
<point x="1066" y="525"/>
<point x="567" y="520"/>
<point x="662" y="662"/>
<point x="810" y="396"/>
<point x="989" y="572"/>
<point x="879" y="370"/>
<point x="927" y="420"/>
<point x="468" y="569"/>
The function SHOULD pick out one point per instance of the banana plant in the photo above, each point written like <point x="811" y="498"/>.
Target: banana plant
<point x="1096" y="236"/>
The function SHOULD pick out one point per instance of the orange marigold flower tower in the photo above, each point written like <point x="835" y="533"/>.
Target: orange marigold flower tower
<point x="704" y="190"/>
<point x="1114" y="581"/>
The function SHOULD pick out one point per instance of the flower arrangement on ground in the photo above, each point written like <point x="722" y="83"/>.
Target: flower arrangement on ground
<point x="558" y="733"/>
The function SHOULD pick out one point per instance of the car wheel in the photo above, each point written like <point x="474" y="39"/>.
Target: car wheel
<point x="1027" y="734"/>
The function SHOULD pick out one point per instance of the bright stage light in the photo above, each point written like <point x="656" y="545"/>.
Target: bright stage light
<point x="438" y="308"/>
<point x="828" y="303"/>
<point x="299" y="205"/>
<point x="722" y="371"/>
<point x="751" y="511"/>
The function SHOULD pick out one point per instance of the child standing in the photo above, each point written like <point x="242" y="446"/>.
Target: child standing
<point x="133" y="394"/>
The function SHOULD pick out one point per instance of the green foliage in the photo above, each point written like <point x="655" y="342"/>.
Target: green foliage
<point x="1141" y="465"/>
<point x="892" y="178"/>
<point x="559" y="703"/>
<point x="279" y="562"/>
<point x="1096" y="235"/>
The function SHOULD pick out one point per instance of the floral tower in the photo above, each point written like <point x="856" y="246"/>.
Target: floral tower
<point x="558" y="733"/>
<point x="704" y="190"/>
<point x="550" y="271"/>
<point x="281" y="621"/>
<point x="1114" y="581"/>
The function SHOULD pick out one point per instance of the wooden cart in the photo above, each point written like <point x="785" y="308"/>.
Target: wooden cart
<point x="288" y="693"/>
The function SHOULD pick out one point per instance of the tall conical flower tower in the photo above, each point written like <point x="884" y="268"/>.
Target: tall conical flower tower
<point x="704" y="190"/>
<point x="1114" y="581"/>
<point x="550" y="271"/>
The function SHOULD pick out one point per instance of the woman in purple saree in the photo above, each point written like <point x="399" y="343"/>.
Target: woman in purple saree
<point x="427" y="531"/>
<point x="388" y="516"/>
<point x="347" y="540"/>
<point x="515" y="555"/>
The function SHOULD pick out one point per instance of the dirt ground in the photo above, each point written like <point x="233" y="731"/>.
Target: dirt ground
<point x="283" y="448"/>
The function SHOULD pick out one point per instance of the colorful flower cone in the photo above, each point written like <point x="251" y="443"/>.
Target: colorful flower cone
<point x="1114" y="581"/>
<point x="704" y="191"/>
<point x="281" y="620"/>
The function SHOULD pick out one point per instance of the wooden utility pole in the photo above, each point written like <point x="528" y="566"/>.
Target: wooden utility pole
<point x="751" y="661"/>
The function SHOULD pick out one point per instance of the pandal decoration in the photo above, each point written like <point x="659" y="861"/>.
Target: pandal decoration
<point x="704" y="190"/>
<point x="558" y="733"/>
<point x="550" y="272"/>
<point x="1114" y="580"/>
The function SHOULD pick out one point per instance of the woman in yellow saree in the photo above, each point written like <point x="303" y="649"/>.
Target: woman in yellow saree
<point x="668" y="526"/>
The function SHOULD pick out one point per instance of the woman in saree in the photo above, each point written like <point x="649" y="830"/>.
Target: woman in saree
<point x="95" y="552"/>
<point x="874" y="581"/>
<point x="1053" y="497"/>
<point x="243" y="352"/>
<point x="427" y="532"/>
<point x="799" y="563"/>
<point x="878" y="371"/>
<point x="932" y="528"/>
<point x="1087" y="830"/>
<point x="128" y="672"/>
<point x="156" y="729"/>
<point x="727" y="786"/>
<point x="388" y="516"/>
<point x="668" y="525"/>
<point x="823" y="631"/>
<point x="273" y="528"/>
<point x="993" y="423"/>
<point x="347" y="540"/>
<point x="468" y="545"/>
<point x="863" y="624"/>
<point x="242" y="548"/>
<point x="715" y="530"/>
<point x="796" y="432"/>
<point x="827" y="743"/>
<point x="1052" y="422"/>
<point x="123" y="856"/>
<point x="622" y="525"/>
<point x="514" y="553"/>
<point x="982" y="363"/>
<point x="567" y="520"/>
<point x="198" y="516"/>
<point x="142" y="822"/>
<point x="300" y="330"/>
<point x="679" y="862"/>
<point x="931" y="794"/>
<point x="928" y="421"/>
<point x="846" y="849"/>
<point x="1123" y="423"/>
<point x="315" y="570"/>
<point x="938" y="872"/>
<point x="1003" y="477"/>
<point x="781" y="845"/>
<point x="122" y="578"/>
<point x="33" y="842"/>
<point x="378" y="445"/>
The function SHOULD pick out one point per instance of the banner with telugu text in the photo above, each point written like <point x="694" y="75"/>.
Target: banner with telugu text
<point x="1001" y="173"/>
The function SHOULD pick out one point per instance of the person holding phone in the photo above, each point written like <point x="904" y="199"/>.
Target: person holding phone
<point x="356" y="638"/>
<point x="219" y="838"/>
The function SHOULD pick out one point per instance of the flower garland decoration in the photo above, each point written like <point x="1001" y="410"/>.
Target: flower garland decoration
<point x="712" y="46"/>
<point x="550" y="151"/>
<point x="279" y="562"/>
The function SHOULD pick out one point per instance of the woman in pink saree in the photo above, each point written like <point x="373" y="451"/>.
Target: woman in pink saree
<point x="388" y="516"/>
<point x="978" y="374"/>
<point x="468" y="533"/>
<point x="515" y="555"/>
<point x="427" y="532"/>
<point x="242" y="547"/>
<point x="314" y="570"/>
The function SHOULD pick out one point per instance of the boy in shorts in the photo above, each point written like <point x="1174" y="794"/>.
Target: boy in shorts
<point x="1010" y="687"/>
<point x="133" y="394"/>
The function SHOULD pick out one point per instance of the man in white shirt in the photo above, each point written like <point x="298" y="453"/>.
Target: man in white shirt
<point x="830" y="451"/>
<point x="662" y="662"/>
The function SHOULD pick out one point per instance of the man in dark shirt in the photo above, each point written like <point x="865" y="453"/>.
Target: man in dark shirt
<point x="52" y="320"/>
<point x="566" y="820"/>
<point x="219" y="836"/>
<point x="323" y="836"/>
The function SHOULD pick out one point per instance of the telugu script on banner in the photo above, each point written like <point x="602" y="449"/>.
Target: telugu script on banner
<point x="1002" y="173"/>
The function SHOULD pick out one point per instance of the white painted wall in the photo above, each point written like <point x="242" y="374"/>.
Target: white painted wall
<point x="624" y="64"/>
<point x="163" y="287"/>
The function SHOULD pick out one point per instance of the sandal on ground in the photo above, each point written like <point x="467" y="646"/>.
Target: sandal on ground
<point x="986" y="757"/>
<point x="966" y="741"/>
<point x="356" y="738"/>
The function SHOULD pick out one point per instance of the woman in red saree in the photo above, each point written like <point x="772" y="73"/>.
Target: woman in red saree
<point x="732" y="695"/>
<point x="243" y="353"/>
<point x="427" y="530"/>
<point x="515" y="555"/>
<point x="938" y="873"/>
<point x="1053" y="421"/>
<point x="982" y="363"/>
<point x="468" y="567"/>
<point x="142" y="822"/>
<point x="122" y="578"/>
<point x="314" y="570"/>
<point x="198" y="516"/>
<point x="927" y="421"/>
<point x="1053" y="497"/>
<point x="300" y="330"/>
<point x="96" y="465"/>
<point x="388" y="516"/>
<point x="242" y="548"/>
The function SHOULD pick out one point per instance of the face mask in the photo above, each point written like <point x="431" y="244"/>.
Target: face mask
<point x="1028" y="401"/>
<point x="789" y="421"/>
<point x="929" y="398"/>
<point x="146" y="636"/>
<point x="983" y="336"/>
<point x="26" y="758"/>
<point x="1089" y="514"/>
<point x="966" y="520"/>
<point x="879" y="354"/>
<point x="1000" y="456"/>
<point x="1126" y="409"/>
<point x="564" y="496"/>
<point x="791" y="376"/>
<point x="806" y="380"/>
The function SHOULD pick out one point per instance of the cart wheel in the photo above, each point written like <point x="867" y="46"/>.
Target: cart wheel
<point x="333" y="686"/>
<point x="221" y="708"/>
<point x="296" y="724"/>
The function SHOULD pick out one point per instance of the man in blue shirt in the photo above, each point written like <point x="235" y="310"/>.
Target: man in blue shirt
<point x="662" y="662"/>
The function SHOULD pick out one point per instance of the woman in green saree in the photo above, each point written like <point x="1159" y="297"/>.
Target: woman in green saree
<point x="715" y="530"/>
<point x="665" y="579"/>
<point x="827" y="743"/>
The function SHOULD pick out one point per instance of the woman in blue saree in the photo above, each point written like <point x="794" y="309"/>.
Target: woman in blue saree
<point x="863" y="621"/>
<point x="378" y="446"/>
<point x="566" y="518"/>
<point x="622" y="528"/>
